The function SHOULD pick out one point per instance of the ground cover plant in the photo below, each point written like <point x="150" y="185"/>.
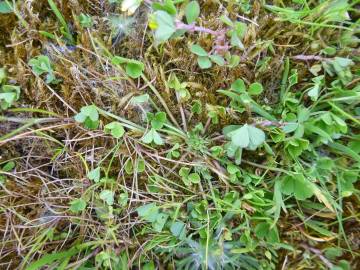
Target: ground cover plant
<point x="177" y="134"/>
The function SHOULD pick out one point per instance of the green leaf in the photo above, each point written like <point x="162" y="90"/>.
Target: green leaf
<point x="165" y="26"/>
<point x="160" y="221"/>
<point x="88" y="115"/>
<point x="184" y="172"/>
<point x="134" y="69"/>
<point x="246" y="136"/>
<point x="256" y="136"/>
<point x="41" y="64"/>
<point x="91" y="112"/>
<point x="290" y="127"/>
<point x="94" y="174"/>
<point x="6" y="7"/>
<point x="298" y="186"/>
<point x="240" y="137"/>
<point x="140" y="165"/>
<point x="192" y="11"/>
<point x="107" y="196"/>
<point x="236" y="42"/>
<point x="49" y="259"/>
<point x="262" y="229"/>
<point x="196" y="107"/>
<point x="204" y="62"/>
<point x="2" y="75"/>
<point x="255" y="89"/>
<point x="77" y="205"/>
<point x="140" y="99"/>
<point x="85" y="20"/>
<point x="159" y="120"/>
<point x="9" y="166"/>
<point x="198" y="50"/>
<point x="238" y="86"/>
<point x="167" y="6"/>
<point x="115" y="129"/>
<point x="129" y="168"/>
<point x="148" y="212"/>
<point x="152" y="136"/>
<point x="178" y="229"/>
<point x="194" y="178"/>
<point x="217" y="59"/>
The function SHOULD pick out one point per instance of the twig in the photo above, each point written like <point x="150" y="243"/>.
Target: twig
<point x="302" y="57"/>
<point x="319" y="254"/>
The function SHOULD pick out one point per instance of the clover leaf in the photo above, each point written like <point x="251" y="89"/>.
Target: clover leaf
<point x="94" y="174"/>
<point x="204" y="59"/>
<point x="192" y="11"/>
<point x="115" y="129"/>
<point x="77" y="205"/>
<point x="298" y="186"/>
<point x="189" y="178"/>
<point x="107" y="196"/>
<point x="89" y="116"/>
<point x="246" y="136"/>
<point x="8" y="95"/>
<point x="164" y="26"/>
<point x="152" y="136"/>
<point x="133" y="68"/>
<point x="85" y="20"/>
<point x="41" y="65"/>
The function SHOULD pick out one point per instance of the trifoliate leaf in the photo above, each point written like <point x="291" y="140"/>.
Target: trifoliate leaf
<point x="298" y="186"/>
<point x="115" y="129"/>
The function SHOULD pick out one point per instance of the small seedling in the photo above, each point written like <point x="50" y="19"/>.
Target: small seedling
<point x="133" y="68"/>
<point x="179" y="87"/>
<point x="205" y="59"/>
<point x="85" y="20"/>
<point x="8" y="95"/>
<point x="115" y="129"/>
<point x="189" y="178"/>
<point x="89" y="116"/>
<point x="41" y="65"/>
<point x="157" y="121"/>
<point x="151" y="213"/>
